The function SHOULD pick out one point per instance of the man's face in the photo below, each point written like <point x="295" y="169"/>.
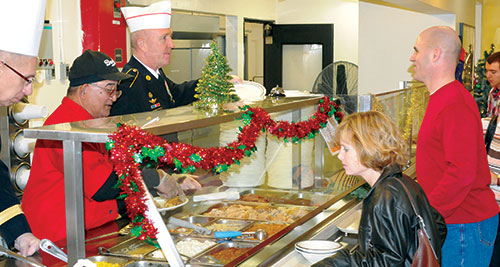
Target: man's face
<point x="159" y="47"/>
<point x="98" y="98"/>
<point x="12" y="86"/>
<point x="421" y="59"/>
<point x="493" y="74"/>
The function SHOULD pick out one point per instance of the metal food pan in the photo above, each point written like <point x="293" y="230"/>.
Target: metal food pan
<point x="207" y="257"/>
<point x="248" y="228"/>
<point x="265" y="192"/>
<point x="184" y="231"/>
<point x="235" y="225"/>
<point x="277" y="215"/>
<point x="147" y="264"/>
<point x="132" y="247"/>
<point x="315" y="198"/>
<point x="288" y="197"/>
<point x="109" y="259"/>
<point x="197" y="219"/>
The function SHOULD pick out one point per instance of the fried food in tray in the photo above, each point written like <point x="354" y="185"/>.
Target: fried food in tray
<point x="229" y="254"/>
<point x="224" y="253"/>
<point x="270" y="228"/>
<point x="257" y="212"/>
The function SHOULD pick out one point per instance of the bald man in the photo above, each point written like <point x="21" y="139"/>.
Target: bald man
<point x="452" y="167"/>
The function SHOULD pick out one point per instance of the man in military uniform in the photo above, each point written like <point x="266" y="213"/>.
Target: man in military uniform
<point x="151" y="40"/>
<point x="18" y="60"/>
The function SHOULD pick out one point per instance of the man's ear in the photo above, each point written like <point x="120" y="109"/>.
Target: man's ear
<point x="436" y="54"/>
<point x="82" y="90"/>
<point x="141" y="43"/>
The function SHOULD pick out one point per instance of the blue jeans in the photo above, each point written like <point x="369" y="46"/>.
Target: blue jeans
<point x="470" y="244"/>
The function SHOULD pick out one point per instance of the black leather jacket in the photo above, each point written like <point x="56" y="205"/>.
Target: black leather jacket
<point x="388" y="226"/>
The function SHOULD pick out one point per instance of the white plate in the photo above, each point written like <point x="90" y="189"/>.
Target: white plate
<point x="351" y="224"/>
<point x="318" y="246"/>
<point x="161" y="201"/>
<point x="250" y="90"/>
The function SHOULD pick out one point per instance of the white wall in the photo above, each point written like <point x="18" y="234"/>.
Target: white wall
<point x="386" y="39"/>
<point x="66" y="39"/>
<point x="342" y="13"/>
<point x="66" y="23"/>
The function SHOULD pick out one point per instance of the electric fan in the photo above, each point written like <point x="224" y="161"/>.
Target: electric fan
<point x="340" y="80"/>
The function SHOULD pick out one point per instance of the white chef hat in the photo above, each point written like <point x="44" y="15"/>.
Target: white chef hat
<point x="22" y="26"/>
<point x="154" y="16"/>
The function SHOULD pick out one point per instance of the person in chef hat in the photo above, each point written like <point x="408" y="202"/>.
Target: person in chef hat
<point x="22" y="22"/>
<point x="151" y="42"/>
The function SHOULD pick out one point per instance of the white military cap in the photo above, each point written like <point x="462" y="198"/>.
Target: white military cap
<point x="22" y="26"/>
<point x="154" y="16"/>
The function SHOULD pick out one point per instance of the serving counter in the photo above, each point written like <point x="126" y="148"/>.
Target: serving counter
<point x="304" y="165"/>
<point x="282" y="175"/>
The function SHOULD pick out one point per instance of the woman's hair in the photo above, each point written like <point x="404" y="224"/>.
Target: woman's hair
<point x="376" y="139"/>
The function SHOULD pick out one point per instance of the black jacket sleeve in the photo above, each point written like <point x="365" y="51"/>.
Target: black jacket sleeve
<point x="108" y="190"/>
<point x="17" y="225"/>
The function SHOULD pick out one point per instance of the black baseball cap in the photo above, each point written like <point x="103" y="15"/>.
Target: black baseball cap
<point x="94" y="66"/>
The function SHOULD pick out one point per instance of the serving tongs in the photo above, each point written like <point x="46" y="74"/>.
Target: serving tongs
<point x="219" y="235"/>
<point x="50" y="248"/>
<point x="16" y="256"/>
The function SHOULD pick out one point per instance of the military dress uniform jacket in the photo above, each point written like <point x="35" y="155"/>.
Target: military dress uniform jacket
<point x="12" y="220"/>
<point x="145" y="92"/>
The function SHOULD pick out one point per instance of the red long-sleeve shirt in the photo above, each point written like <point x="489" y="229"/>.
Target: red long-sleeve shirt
<point x="452" y="167"/>
<point x="43" y="200"/>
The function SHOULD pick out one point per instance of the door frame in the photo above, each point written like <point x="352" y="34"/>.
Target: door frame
<point x="280" y="35"/>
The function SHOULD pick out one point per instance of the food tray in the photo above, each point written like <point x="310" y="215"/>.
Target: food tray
<point x="207" y="258"/>
<point x="132" y="247"/>
<point x="268" y="227"/>
<point x="231" y="225"/>
<point x="109" y="259"/>
<point x="285" y="197"/>
<point x="200" y="221"/>
<point x="157" y="255"/>
<point x="257" y="212"/>
<point x="265" y="192"/>
<point x="147" y="264"/>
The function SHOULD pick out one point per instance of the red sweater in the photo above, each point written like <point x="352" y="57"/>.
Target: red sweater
<point x="452" y="167"/>
<point x="43" y="200"/>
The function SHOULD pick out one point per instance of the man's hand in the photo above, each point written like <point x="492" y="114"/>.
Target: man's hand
<point x="189" y="182"/>
<point x="27" y="244"/>
<point x="236" y="79"/>
<point x="169" y="184"/>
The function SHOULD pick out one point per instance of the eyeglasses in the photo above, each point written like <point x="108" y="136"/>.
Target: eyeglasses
<point x="111" y="90"/>
<point x="28" y="80"/>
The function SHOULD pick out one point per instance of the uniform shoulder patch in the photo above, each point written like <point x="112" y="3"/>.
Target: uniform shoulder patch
<point x="134" y="72"/>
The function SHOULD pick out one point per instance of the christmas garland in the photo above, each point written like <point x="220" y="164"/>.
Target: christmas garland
<point x="131" y="147"/>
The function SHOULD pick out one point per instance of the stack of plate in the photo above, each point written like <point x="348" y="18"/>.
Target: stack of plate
<point x="316" y="250"/>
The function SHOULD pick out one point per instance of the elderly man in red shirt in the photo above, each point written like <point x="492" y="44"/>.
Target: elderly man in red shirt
<point x="92" y="90"/>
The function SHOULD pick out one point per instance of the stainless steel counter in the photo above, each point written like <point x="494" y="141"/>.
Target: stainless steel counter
<point x="159" y="123"/>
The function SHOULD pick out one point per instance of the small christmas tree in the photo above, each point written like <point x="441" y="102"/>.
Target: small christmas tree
<point x="214" y="89"/>
<point x="482" y="87"/>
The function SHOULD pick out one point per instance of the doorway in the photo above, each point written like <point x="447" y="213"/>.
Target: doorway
<point x="294" y="54"/>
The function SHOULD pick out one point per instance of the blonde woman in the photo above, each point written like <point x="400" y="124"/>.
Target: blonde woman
<point x="371" y="147"/>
